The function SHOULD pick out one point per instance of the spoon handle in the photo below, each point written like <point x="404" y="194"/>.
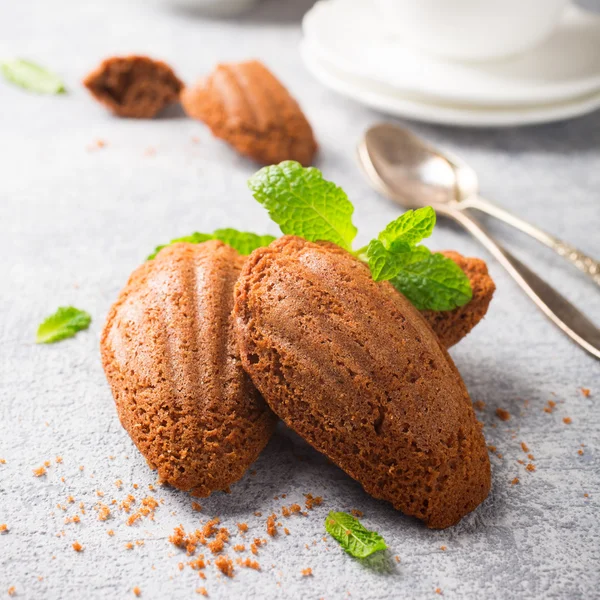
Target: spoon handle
<point x="583" y="262"/>
<point x="557" y="308"/>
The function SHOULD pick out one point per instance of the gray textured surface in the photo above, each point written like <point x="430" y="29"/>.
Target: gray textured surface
<point x="75" y="222"/>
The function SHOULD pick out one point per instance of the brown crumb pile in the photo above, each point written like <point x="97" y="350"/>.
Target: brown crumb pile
<point x="502" y="414"/>
<point x="225" y="565"/>
<point x="73" y="519"/>
<point x="312" y="501"/>
<point x="239" y="548"/>
<point x="272" y="525"/>
<point x="77" y="547"/>
<point x="198" y="563"/>
<point x="248" y="563"/>
<point x="147" y="509"/>
<point x="103" y="512"/>
<point x="287" y="511"/>
<point x="39" y="472"/>
<point x="255" y="545"/>
<point x="306" y="572"/>
<point x="550" y="406"/>
<point x="218" y="544"/>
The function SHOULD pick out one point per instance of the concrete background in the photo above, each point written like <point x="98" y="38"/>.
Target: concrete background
<point x="75" y="222"/>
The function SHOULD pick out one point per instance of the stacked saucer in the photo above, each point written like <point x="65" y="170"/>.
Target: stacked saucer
<point x="348" y="48"/>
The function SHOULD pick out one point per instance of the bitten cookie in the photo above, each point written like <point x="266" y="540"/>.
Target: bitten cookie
<point x="352" y="367"/>
<point x="248" y="107"/>
<point x="171" y="358"/>
<point x="451" y="326"/>
<point x="134" y="86"/>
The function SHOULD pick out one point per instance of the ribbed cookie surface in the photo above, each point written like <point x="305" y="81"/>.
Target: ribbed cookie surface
<point x="170" y="356"/>
<point x="352" y="367"/>
<point x="248" y="107"/>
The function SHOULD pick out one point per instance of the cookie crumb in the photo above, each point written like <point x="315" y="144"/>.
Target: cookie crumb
<point x="243" y="527"/>
<point x="110" y="532"/>
<point x="3" y="527"/>
<point x="312" y="501"/>
<point x="524" y="447"/>
<point x="239" y="548"/>
<point x="136" y="590"/>
<point x="12" y="590"/>
<point x="196" y="507"/>
<point x="567" y="420"/>
<point x="438" y="591"/>
<point x="77" y="547"/>
<point x="271" y="525"/>
<point x="202" y="591"/>
<point x="225" y="565"/>
<point x="580" y="452"/>
<point x="249" y="564"/>
<point x="586" y="392"/>
<point x="502" y="414"/>
<point x="443" y="548"/>
<point x="39" y="472"/>
<point x="479" y="405"/>
<point x="530" y="467"/>
<point x="307" y="572"/>
<point x="397" y="558"/>
<point x="515" y="481"/>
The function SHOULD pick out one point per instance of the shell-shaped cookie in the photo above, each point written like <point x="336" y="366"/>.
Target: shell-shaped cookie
<point x="451" y="326"/>
<point x="354" y="368"/>
<point x="171" y="358"/>
<point x="134" y="86"/>
<point x="248" y="107"/>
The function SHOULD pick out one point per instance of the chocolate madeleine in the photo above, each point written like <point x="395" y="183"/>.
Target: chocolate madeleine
<point x="451" y="326"/>
<point x="248" y="107"/>
<point x="354" y="368"/>
<point x="170" y="356"/>
<point x="134" y="86"/>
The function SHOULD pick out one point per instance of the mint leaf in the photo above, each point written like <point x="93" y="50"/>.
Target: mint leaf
<point x="432" y="281"/>
<point x="64" y="323"/>
<point x="410" y="228"/>
<point x="302" y="203"/>
<point x="244" y="242"/>
<point x="353" y="537"/>
<point x="384" y="264"/>
<point x="31" y="77"/>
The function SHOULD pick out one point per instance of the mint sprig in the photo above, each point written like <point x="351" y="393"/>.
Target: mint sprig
<point x="302" y="203"/>
<point x="32" y="77"/>
<point x="244" y="242"/>
<point x="64" y="323"/>
<point x="352" y="535"/>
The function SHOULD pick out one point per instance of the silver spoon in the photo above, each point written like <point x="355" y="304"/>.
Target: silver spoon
<point x="412" y="174"/>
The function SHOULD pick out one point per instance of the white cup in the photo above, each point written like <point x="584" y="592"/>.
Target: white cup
<point x="472" y="30"/>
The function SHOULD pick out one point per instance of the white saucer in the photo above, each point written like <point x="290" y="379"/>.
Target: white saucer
<point x="388" y="100"/>
<point x="350" y="36"/>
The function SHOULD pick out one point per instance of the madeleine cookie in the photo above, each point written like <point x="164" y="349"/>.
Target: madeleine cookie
<point x="134" y="86"/>
<point x="354" y="368"/>
<point x="248" y="107"/>
<point x="451" y="326"/>
<point x="170" y="356"/>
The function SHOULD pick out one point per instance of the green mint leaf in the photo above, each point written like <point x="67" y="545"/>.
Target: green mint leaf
<point x="31" y="77"/>
<point x="353" y="537"/>
<point x="432" y="281"/>
<point x="384" y="264"/>
<point x="410" y="228"/>
<point x="244" y="242"/>
<point x="64" y="323"/>
<point x="302" y="203"/>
